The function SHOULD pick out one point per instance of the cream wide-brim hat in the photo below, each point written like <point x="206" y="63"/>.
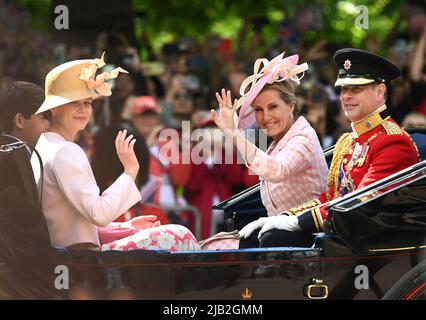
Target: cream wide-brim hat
<point x="63" y="85"/>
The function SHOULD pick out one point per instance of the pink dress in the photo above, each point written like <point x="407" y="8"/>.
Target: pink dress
<point x="171" y="237"/>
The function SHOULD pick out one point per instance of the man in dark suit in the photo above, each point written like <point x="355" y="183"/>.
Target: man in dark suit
<point x="18" y="102"/>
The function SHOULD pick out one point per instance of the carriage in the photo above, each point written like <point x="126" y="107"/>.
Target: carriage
<point x="344" y="263"/>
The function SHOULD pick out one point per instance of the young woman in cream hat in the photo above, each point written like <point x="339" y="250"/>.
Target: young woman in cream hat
<point x="75" y="210"/>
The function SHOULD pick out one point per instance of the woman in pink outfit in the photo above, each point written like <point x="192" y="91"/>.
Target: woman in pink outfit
<point x="293" y="169"/>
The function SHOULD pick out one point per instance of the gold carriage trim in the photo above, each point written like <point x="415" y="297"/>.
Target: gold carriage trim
<point x="307" y="205"/>
<point x="397" y="249"/>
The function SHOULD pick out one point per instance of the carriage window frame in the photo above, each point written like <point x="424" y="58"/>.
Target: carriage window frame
<point x="224" y="205"/>
<point x="381" y="188"/>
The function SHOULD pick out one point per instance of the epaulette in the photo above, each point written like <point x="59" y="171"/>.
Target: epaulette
<point x="392" y="128"/>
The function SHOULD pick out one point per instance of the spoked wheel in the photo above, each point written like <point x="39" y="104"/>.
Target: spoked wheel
<point x="412" y="286"/>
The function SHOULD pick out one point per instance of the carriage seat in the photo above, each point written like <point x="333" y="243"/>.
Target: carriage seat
<point x="419" y="138"/>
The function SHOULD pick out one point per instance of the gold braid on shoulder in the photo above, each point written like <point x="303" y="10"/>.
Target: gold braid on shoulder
<point x="341" y="149"/>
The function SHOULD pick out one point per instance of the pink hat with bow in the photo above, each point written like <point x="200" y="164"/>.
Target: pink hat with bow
<point x="276" y="70"/>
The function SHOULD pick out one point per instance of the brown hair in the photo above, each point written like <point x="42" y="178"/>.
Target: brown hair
<point x="18" y="97"/>
<point x="286" y="91"/>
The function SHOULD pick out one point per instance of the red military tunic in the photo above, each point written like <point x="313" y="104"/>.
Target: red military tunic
<point x="375" y="149"/>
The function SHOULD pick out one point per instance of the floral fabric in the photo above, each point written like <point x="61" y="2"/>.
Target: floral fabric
<point x="171" y="237"/>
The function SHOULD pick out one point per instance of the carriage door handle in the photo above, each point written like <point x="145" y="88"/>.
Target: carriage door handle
<point x="316" y="289"/>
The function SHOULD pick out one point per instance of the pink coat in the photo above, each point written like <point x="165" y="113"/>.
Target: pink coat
<point x="292" y="171"/>
<point x="72" y="203"/>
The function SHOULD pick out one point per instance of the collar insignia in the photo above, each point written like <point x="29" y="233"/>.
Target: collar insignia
<point x="368" y="124"/>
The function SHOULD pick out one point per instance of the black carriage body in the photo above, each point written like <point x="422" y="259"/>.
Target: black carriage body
<point x="261" y="274"/>
<point x="337" y="267"/>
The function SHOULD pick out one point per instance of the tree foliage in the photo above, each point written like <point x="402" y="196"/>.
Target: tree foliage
<point x="165" y="20"/>
<point x="197" y="18"/>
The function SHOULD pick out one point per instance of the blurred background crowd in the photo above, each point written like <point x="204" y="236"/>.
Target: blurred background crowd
<point x="179" y="55"/>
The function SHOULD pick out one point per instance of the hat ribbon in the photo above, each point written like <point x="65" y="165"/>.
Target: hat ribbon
<point x="283" y="68"/>
<point x="98" y="84"/>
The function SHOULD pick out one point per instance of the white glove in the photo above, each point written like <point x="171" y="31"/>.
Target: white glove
<point x="249" y="228"/>
<point x="289" y="223"/>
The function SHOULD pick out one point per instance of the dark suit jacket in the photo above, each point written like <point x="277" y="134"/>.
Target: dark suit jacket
<point x="15" y="170"/>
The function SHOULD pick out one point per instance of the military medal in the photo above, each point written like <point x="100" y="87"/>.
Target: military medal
<point x="347" y="184"/>
<point x="358" y="156"/>
<point x="350" y="184"/>
<point x="363" y="156"/>
<point x="357" y="153"/>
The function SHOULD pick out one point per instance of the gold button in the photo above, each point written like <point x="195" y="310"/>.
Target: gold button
<point x="345" y="161"/>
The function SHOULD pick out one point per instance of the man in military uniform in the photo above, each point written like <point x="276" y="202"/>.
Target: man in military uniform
<point x="376" y="148"/>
